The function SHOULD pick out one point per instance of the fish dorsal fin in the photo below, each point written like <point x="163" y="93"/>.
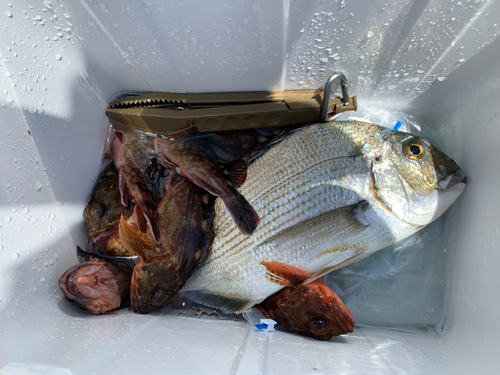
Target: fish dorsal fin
<point x="324" y="271"/>
<point x="225" y="304"/>
<point x="284" y="274"/>
<point x="335" y="226"/>
<point x="186" y="132"/>
<point x="135" y="241"/>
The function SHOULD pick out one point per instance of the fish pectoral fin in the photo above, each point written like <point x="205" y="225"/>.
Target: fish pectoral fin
<point x="242" y="212"/>
<point x="135" y="241"/>
<point x="324" y="271"/>
<point x="227" y="305"/>
<point x="284" y="274"/>
<point x="142" y="223"/>
<point x="334" y="226"/>
<point x="125" y="196"/>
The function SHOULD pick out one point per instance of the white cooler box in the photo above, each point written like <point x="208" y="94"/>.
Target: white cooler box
<point x="434" y="64"/>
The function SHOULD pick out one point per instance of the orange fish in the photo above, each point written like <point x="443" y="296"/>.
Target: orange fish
<point x="309" y="310"/>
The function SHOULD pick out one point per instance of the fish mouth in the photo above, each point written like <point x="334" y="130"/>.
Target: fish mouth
<point x="101" y="236"/>
<point x="449" y="189"/>
<point x="455" y="181"/>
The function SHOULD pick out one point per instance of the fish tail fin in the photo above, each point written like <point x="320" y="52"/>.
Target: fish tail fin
<point x="134" y="241"/>
<point x="243" y="214"/>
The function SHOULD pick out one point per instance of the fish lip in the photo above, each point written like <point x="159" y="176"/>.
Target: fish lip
<point x="65" y="284"/>
<point x="345" y="319"/>
<point x="455" y="181"/>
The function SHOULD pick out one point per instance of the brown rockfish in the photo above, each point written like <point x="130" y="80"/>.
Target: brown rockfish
<point x="186" y="216"/>
<point x="104" y="209"/>
<point x="131" y="158"/>
<point x="215" y="162"/>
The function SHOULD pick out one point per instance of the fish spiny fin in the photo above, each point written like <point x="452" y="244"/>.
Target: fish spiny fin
<point x="135" y="241"/>
<point x="186" y="132"/>
<point x="284" y="274"/>
<point x="225" y="304"/>
<point x="142" y="223"/>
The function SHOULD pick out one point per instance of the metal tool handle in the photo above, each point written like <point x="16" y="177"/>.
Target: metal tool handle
<point x="327" y="93"/>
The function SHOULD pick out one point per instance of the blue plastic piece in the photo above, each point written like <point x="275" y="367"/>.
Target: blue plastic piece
<point x="261" y="326"/>
<point x="398" y="125"/>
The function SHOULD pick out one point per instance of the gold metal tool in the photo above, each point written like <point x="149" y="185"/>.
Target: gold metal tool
<point x="165" y="112"/>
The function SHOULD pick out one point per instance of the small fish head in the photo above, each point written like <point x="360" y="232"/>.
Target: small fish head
<point x="315" y="310"/>
<point x="153" y="286"/>
<point x="104" y="208"/>
<point x="413" y="179"/>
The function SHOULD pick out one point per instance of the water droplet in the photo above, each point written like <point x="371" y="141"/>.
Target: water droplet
<point x="420" y="71"/>
<point x="370" y="34"/>
<point x="58" y="56"/>
<point x="15" y="256"/>
<point x="37" y="18"/>
<point x="441" y="79"/>
<point x="323" y="59"/>
<point x="8" y="13"/>
<point x="10" y="313"/>
<point x="8" y="219"/>
<point x="38" y="185"/>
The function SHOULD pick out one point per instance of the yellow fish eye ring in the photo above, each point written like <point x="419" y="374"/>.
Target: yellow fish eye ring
<point x="413" y="150"/>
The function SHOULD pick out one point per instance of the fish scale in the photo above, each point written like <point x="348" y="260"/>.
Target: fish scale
<point x="307" y="191"/>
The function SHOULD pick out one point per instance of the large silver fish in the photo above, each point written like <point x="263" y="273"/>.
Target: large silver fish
<point x="328" y="195"/>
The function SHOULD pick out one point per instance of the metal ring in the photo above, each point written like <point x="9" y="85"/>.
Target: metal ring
<point x="327" y="92"/>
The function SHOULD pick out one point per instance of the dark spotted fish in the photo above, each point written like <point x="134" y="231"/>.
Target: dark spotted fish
<point x="186" y="216"/>
<point x="214" y="177"/>
<point x="104" y="209"/>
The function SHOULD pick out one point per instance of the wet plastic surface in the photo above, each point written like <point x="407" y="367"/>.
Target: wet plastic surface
<point x="63" y="61"/>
